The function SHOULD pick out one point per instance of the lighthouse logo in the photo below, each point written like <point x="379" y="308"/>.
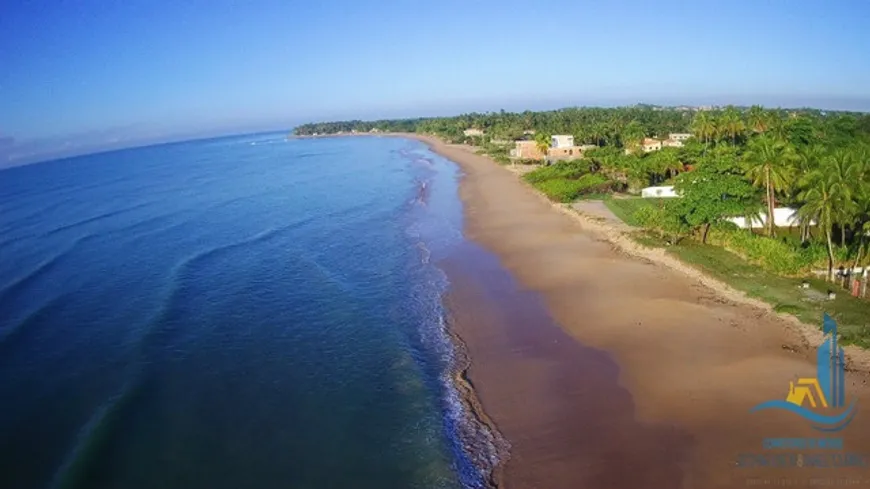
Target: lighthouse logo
<point x="821" y="400"/>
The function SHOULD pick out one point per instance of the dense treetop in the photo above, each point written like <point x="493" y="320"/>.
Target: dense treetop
<point x="623" y="125"/>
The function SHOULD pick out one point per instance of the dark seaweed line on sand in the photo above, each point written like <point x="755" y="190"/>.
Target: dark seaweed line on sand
<point x="474" y="408"/>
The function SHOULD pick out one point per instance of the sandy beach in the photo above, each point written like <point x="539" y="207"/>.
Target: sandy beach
<point x="628" y="373"/>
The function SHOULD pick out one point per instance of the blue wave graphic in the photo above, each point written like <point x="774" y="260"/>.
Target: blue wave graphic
<point x="838" y="427"/>
<point x="829" y="423"/>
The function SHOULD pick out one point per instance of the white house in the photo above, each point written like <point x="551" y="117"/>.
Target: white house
<point x="562" y="141"/>
<point x="782" y="217"/>
<point x="679" y="136"/>
<point x="658" y="192"/>
<point x="473" y="132"/>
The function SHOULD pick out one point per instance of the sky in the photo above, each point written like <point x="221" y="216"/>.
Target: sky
<point x="84" y="75"/>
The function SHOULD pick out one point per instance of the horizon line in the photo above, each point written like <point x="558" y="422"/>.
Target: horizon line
<point x="10" y="164"/>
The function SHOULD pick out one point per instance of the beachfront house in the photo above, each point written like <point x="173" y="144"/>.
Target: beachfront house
<point x="568" y="153"/>
<point x="473" y="132"/>
<point x="658" y="192"/>
<point x="675" y="140"/>
<point x="783" y="217"/>
<point x="650" y="144"/>
<point x="526" y="150"/>
<point x="562" y="141"/>
<point x="562" y="148"/>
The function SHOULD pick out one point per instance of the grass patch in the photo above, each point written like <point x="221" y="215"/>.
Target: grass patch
<point x="648" y="239"/>
<point x="852" y="314"/>
<point x="625" y="209"/>
<point x="593" y="196"/>
<point x="787" y="308"/>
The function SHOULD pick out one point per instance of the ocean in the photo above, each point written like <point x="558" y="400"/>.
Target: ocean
<point x="250" y="311"/>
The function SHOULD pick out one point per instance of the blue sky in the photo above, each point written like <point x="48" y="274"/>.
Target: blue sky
<point x="86" y="74"/>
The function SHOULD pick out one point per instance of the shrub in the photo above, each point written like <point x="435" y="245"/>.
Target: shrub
<point x="566" y="190"/>
<point x="785" y="257"/>
<point x="666" y="224"/>
<point x="568" y="170"/>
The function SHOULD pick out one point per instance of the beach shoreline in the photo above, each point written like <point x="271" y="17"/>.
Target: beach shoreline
<point x="692" y="355"/>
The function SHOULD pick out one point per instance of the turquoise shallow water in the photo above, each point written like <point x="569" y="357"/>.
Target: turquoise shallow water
<point x="237" y="312"/>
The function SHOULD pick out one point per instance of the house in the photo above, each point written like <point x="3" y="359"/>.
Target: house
<point x="562" y="141"/>
<point x="676" y="139"/>
<point x="587" y="147"/>
<point x="529" y="132"/>
<point x="782" y="217"/>
<point x="658" y="192"/>
<point x="374" y="130"/>
<point x="564" y="153"/>
<point x="526" y="150"/>
<point x="473" y="132"/>
<point x="562" y="148"/>
<point x="650" y="144"/>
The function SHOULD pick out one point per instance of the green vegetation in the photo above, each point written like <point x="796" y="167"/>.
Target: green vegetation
<point x="566" y="181"/>
<point x="627" y="209"/>
<point x="589" y="125"/>
<point x="785" y="294"/>
<point x="740" y="162"/>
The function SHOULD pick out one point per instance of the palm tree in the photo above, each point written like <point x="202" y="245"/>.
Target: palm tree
<point x="703" y="127"/>
<point x="542" y="142"/>
<point x="667" y="162"/>
<point x="596" y="133"/>
<point x="632" y="135"/>
<point x="637" y="172"/>
<point x="861" y="158"/>
<point x="810" y="157"/>
<point x="731" y="124"/>
<point x="768" y="163"/>
<point x="750" y="214"/>
<point x="758" y="119"/>
<point x="844" y="171"/>
<point x="777" y="127"/>
<point x="819" y="196"/>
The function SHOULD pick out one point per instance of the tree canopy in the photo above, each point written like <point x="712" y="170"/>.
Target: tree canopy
<point x="739" y="160"/>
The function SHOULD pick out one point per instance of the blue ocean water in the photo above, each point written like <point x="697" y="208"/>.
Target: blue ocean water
<point x="238" y="312"/>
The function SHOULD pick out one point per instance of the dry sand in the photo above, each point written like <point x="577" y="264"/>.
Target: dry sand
<point x="648" y="379"/>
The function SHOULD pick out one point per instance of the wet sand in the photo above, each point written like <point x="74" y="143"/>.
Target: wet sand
<point x="625" y="373"/>
<point x="559" y="403"/>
